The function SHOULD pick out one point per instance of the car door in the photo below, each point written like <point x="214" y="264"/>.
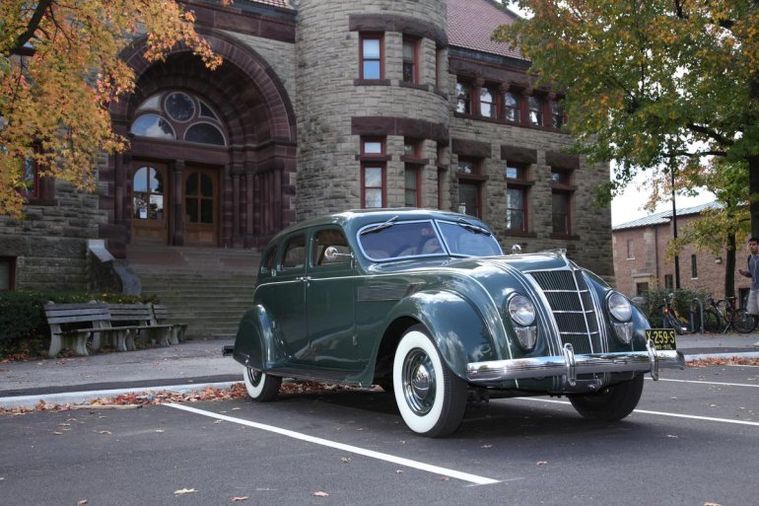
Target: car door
<point x="330" y="301"/>
<point x="284" y="297"/>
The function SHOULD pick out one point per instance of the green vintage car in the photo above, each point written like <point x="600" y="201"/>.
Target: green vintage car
<point x="426" y="305"/>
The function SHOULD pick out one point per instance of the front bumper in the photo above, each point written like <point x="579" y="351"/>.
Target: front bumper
<point x="570" y="365"/>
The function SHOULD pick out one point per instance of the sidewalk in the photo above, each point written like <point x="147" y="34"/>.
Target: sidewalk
<point x="198" y="364"/>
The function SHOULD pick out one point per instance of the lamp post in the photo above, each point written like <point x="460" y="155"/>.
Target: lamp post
<point x="674" y="229"/>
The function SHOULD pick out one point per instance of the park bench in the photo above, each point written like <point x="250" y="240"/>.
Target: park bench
<point x="74" y="325"/>
<point x="161" y="316"/>
<point x="138" y="320"/>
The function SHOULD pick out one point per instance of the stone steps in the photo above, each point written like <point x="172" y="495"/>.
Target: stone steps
<point x="207" y="288"/>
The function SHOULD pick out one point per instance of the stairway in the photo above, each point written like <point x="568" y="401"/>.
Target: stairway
<point x="207" y="288"/>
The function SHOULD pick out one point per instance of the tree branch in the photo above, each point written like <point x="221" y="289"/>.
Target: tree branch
<point x="31" y="27"/>
<point x="676" y="154"/>
<point x="710" y="133"/>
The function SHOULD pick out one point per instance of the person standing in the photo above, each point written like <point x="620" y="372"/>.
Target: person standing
<point x="752" y="263"/>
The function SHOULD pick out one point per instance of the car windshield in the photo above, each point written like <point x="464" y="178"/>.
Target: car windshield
<point x="394" y="240"/>
<point x="468" y="239"/>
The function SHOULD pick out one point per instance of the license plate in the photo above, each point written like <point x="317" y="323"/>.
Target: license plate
<point x="663" y="339"/>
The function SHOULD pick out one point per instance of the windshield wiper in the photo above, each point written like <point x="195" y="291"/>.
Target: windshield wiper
<point x="472" y="227"/>
<point x="382" y="226"/>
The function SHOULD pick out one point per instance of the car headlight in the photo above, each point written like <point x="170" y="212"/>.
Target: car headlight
<point x="619" y="307"/>
<point x="522" y="310"/>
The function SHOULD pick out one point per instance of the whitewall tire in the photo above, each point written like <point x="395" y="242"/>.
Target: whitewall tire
<point x="261" y="386"/>
<point x="430" y="398"/>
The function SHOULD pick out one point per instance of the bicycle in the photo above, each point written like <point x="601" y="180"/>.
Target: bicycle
<point x="671" y="319"/>
<point x="722" y="315"/>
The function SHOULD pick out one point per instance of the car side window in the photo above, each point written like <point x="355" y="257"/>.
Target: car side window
<point x="330" y="238"/>
<point x="294" y="256"/>
<point x="268" y="261"/>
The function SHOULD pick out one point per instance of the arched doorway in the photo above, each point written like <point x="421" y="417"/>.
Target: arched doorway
<point x="221" y="143"/>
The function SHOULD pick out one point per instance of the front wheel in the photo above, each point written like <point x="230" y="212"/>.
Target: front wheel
<point x="611" y="403"/>
<point x="261" y="387"/>
<point x="743" y="322"/>
<point x="431" y="399"/>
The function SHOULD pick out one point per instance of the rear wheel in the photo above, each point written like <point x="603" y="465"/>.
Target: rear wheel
<point x="611" y="403"/>
<point x="261" y="387"/>
<point x="431" y="399"/>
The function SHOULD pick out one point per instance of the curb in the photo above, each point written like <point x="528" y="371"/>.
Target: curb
<point x="29" y="401"/>
<point x="706" y="356"/>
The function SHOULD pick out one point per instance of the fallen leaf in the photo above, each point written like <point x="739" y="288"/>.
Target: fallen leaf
<point x="218" y="421"/>
<point x="320" y="494"/>
<point x="58" y="433"/>
<point x="239" y="498"/>
<point x="183" y="491"/>
<point x="541" y="462"/>
<point x="712" y="504"/>
<point x="160" y="430"/>
<point x="345" y="460"/>
<point x="444" y="478"/>
<point x="82" y="502"/>
<point x="106" y="432"/>
<point x="235" y="409"/>
<point x="672" y="436"/>
<point x="486" y="446"/>
<point x="399" y="471"/>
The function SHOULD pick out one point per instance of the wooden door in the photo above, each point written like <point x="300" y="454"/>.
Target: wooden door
<point x="201" y="206"/>
<point x="150" y="202"/>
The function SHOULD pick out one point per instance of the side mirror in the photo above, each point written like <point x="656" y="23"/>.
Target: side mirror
<point x="516" y="249"/>
<point x="333" y="255"/>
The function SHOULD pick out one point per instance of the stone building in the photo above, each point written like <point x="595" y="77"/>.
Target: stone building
<point x="319" y="106"/>
<point x="641" y="262"/>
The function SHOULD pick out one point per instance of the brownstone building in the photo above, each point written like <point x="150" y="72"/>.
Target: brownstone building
<point x="319" y="106"/>
<point x="641" y="261"/>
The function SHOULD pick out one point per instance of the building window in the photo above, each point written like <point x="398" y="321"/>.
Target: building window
<point x="560" y="212"/>
<point x="176" y="115"/>
<point x="693" y="267"/>
<point x="372" y="146"/>
<point x="371" y="57"/>
<point x="412" y="185"/>
<point x="487" y="103"/>
<point x="630" y="252"/>
<point x="641" y="288"/>
<point x="7" y="273"/>
<point x="516" y="197"/>
<point x="557" y="114"/>
<point x="410" y="60"/>
<point x="535" y="111"/>
<point x="463" y="98"/>
<point x="470" y="186"/>
<point x="31" y="179"/>
<point x="412" y="147"/>
<point x="668" y="282"/>
<point x="372" y="185"/>
<point x="511" y="107"/>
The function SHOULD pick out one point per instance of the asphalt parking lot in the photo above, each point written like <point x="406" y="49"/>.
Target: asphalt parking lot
<point x="693" y="440"/>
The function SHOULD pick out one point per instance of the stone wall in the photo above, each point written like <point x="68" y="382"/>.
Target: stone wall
<point x="50" y="242"/>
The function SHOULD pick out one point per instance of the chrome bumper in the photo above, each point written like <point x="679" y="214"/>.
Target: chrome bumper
<point x="571" y="365"/>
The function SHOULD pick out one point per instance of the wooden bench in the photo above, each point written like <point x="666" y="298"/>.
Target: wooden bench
<point x="161" y="316"/>
<point x="138" y="320"/>
<point x="73" y="325"/>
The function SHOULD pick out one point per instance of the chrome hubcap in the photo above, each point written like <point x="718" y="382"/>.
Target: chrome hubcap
<point x="254" y="377"/>
<point x="419" y="386"/>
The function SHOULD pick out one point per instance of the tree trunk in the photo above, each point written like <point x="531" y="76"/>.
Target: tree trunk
<point x="753" y="185"/>
<point x="730" y="266"/>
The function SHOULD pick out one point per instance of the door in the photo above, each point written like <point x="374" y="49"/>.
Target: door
<point x="201" y="203"/>
<point x="150" y="202"/>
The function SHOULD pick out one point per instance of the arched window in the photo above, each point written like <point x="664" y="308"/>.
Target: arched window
<point x="177" y="115"/>
<point x="487" y="107"/>
<point x="511" y="107"/>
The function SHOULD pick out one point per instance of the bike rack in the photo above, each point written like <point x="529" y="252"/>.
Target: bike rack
<point x="695" y="305"/>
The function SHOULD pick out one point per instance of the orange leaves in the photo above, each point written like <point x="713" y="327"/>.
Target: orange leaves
<point x="54" y="102"/>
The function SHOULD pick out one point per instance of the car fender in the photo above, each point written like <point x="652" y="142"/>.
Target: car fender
<point x="462" y="331"/>
<point x="258" y="344"/>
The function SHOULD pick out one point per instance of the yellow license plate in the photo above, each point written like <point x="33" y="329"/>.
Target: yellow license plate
<point x="663" y="339"/>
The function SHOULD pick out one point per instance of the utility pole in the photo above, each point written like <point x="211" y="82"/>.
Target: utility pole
<point x="674" y="228"/>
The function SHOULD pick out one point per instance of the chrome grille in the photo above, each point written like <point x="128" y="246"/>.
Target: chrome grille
<point x="572" y="308"/>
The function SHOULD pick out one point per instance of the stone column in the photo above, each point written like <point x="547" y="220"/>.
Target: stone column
<point x="176" y="224"/>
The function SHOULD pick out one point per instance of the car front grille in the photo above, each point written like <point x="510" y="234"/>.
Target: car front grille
<point x="572" y="308"/>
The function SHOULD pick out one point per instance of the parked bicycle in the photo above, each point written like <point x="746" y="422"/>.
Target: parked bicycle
<point x="670" y="317"/>
<point x="723" y="315"/>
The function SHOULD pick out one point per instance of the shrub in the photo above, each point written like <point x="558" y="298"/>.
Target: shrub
<point x="653" y="299"/>
<point x="22" y="314"/>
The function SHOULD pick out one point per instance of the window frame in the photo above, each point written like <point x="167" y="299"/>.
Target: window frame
<point x="285" y="247"/>
<point x="521" y="183"/>
<point x="380" y="37"/>
<point x="467" y="100"/>
<point x="630" y="249"/>
<point x="567" y="196"/>
<point x="417" y="191"/>
<point x="538" y="110"/>
<point x="11" y="262"/>
<point x="475" y="178"/>
<point x="694" y="266"/>
<point x="516" y="108"/>
<point x="415" y="45"/>
<point x="383" y="185"/>
<point x="493" y="103"/>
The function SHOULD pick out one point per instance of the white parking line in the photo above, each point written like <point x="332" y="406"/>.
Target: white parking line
<point x="471" y="478"/>
<point x="708" y="382"/>
<point x="658" y="413"/>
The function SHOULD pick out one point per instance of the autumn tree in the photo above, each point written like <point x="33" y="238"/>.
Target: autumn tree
<point x="651" y="83"/>
<point x="60" y="69"/>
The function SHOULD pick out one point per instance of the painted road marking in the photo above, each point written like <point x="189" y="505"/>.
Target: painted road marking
<point x="658" y="413"/>
<point x="708" y="382"/>
<point x="443" y="471"/>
